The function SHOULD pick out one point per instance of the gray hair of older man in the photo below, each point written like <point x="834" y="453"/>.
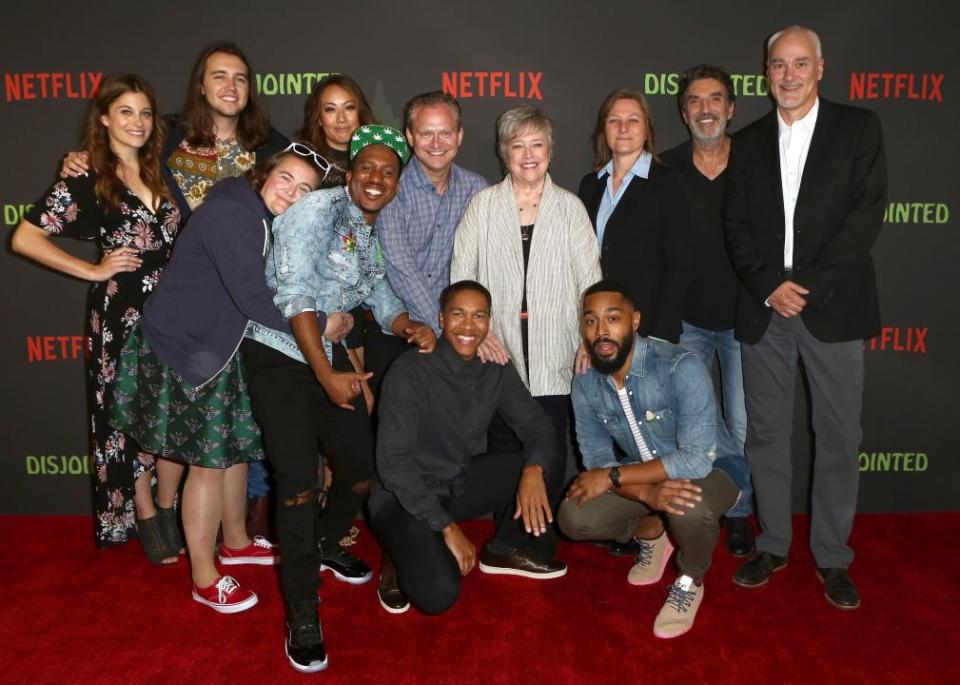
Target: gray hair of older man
<point x="518" y="121"/>
<point x="796" y="28"/>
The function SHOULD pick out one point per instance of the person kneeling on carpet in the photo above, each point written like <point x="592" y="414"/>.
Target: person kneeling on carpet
<point x="655" y="400"/>
<point x="434" y="470"/>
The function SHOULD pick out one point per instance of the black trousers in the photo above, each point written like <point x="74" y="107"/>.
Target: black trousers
<point x="427" y="571"/>
<point x="298" y="420"/>
<point x="379" y="352"/>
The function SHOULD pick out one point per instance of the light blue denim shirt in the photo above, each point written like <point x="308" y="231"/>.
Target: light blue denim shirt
<point x="673" y="400"/>
<point x="324" y="257"/>
<point x="610" y="199"/>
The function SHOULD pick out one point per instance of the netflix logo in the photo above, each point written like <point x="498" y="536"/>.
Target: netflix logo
<point x="493" y="84"/>
<point x="50" y="348"/>
<point x="897" y="339"/>
<point x="896" y="86"/>
<point x="51" y="85"/>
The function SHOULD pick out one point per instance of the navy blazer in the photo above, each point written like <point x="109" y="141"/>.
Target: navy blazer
<point x="645" y="245"/>
<point x="837" y="219"/>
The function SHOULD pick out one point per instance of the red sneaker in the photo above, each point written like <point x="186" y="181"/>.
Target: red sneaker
<point x="225" y="596"/>
<point x="261" y="552"/>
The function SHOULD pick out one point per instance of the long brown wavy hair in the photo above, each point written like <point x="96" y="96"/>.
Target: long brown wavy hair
<point x="311" y="132"/>
<point x="253" y="126"/>
<point x="108" y="188"/>
<point x="601" y="151"/>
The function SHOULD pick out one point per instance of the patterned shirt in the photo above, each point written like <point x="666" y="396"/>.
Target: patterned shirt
<point x="416" y="231"/>
<point x="196" y="169"/>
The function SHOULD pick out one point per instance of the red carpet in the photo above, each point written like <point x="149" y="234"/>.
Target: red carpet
<point x="72" y="614"/>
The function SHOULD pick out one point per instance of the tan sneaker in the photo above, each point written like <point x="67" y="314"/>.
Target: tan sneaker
<point x="651" y="561"/>
<point x="678" y="612"/>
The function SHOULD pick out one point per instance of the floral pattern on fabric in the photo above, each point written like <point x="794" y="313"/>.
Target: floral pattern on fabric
<point x="70" y="209"/>
<point x="210" y="425"/>
<point x="196" y="169"/>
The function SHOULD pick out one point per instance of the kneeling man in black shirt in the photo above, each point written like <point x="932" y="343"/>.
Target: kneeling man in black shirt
<point x="434" y="469"/>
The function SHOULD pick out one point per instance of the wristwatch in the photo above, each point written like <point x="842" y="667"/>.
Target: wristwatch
<point x="615" y="477"/>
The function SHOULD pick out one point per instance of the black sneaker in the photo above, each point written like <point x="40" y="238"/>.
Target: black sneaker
<point x="345" y="567"/>
<point x="304" y="643"/>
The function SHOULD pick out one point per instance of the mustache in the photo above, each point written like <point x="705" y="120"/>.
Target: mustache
<point x="704" y="118"/>
<point x="605" y="341"/>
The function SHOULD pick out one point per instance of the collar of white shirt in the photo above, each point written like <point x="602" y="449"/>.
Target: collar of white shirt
<point x="807" y="123"/>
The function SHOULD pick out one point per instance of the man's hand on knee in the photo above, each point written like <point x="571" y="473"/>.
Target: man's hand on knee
<point x="460" y="547"/>
<point x="532" y="502"/>
<point x="674" y="496"/>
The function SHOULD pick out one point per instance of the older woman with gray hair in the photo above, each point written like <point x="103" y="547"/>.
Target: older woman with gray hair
<point x="532" y="245"/>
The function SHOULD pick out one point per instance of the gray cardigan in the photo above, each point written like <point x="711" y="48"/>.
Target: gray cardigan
<point x="564" y="261"/>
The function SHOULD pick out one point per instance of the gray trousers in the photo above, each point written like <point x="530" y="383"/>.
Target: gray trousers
<point x="835" y="375"/>
<point x="612" y="517"/>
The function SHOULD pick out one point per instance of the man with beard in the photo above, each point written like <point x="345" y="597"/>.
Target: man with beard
<point x="707" y="103"/>
<point x="655" y="401"/>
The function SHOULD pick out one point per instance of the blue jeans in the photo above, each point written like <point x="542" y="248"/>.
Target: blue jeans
<point x="258" y="480"/>
<point x="709" y="345"/>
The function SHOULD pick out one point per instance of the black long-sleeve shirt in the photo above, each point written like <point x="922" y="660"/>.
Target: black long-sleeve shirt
<point x="435" y="410"/>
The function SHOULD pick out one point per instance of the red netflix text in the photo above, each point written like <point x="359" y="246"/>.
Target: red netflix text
<point x="491" y="84"/>
<point x="45" y="85"/>
<point x="890" y="86"/>
<point x="896" y="339"/>
<point x="49" y="348"/>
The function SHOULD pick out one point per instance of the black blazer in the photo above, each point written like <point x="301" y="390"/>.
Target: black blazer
<point x="645" y="245"/>
<point x="838" y="216"/>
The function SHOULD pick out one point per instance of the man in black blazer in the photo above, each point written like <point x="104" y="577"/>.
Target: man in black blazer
<point x="805" y="197"/>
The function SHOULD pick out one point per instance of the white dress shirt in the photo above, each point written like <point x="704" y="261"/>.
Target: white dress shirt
<point x="794" y="146"/>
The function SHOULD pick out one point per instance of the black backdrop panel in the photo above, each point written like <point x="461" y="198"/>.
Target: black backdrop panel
<point x="896" y="58"/>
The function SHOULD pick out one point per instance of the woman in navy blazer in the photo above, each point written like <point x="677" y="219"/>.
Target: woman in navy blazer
<point x="639" y="209"/>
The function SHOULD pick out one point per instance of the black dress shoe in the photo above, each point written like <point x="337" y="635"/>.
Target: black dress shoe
<point x="517" y="563"/>
<point x="389" y="593"/>
<point x="838" y="588"/>
<point x="739" y="536"/>
<point x="757" y="569"/>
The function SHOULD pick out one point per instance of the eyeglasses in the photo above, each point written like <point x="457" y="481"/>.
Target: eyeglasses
<point x="318" y="159"/>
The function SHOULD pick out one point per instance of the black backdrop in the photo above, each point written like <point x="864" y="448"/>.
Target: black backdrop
<point x="562" y="56"/>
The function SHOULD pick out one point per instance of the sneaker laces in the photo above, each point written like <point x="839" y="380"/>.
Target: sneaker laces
<point x="260" y="541"/>
<point x="226" y="586"/>
<point x="645" y="555"/>
<point x="681" y="599"/>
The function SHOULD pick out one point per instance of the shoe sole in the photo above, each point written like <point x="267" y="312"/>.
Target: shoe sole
<point x="500" y="571"/>
<point x="393" y="610"/>
<point x="665" y="636"/>
<point x="844" y="607"/>
<point x="347" y="579"/>
<point x="314" y="667"/>
<point x="663" y="567"/>
<point x="766" y="580"/>
<point x="228" y="608"/>
<point x="249" y="561"/>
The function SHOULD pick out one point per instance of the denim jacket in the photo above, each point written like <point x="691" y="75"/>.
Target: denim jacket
<point x="324" y="257"/>
<point x="673" y="400"/>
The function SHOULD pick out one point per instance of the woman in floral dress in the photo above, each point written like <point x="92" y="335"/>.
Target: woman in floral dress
<point x="124" y="205"/>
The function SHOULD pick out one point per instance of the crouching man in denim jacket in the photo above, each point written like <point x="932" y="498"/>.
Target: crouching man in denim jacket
<point x="655" y="401"/>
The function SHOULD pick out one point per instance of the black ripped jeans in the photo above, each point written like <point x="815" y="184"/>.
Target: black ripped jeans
<point x="298" y="421"/>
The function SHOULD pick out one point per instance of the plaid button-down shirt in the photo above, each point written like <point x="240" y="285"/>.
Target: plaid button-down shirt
<point x="416" y="233"/>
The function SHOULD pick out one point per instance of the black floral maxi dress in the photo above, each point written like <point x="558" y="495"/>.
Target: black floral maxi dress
<point x="70" y="209"/>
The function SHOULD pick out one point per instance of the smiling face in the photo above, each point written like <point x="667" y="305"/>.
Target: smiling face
<point x="608" y="325"/>
<point x="794" y="72"/>
<point x="129" y="121"/>
<point x="626" y="128"/>
<point x="707" y="109"/>
<point x="528" y="156"/>
<point x="465" y="321"/>
<point x="226" y="84"/>
<point x="373" y="179"/>
<point x="291" y="179"/>
<point x="339" y="116"/>
<point x="435" y="137"/>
